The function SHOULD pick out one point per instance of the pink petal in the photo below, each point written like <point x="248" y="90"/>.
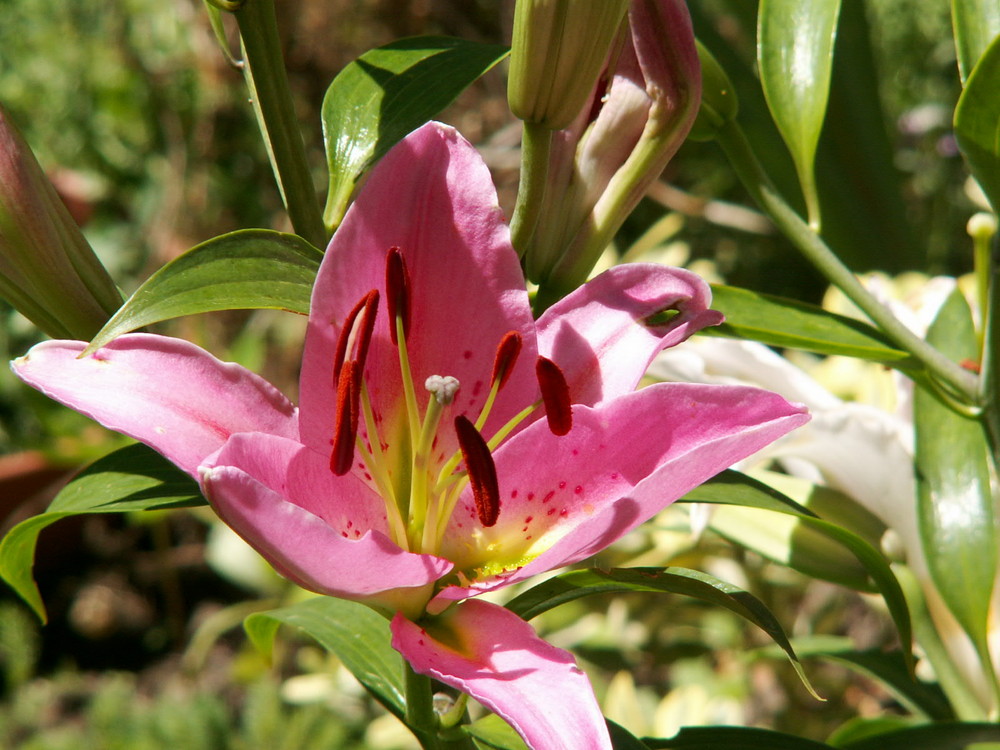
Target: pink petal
<point x="432" y="197"/>
<point x="496" y="657"/>
<point x="565" y="499"/>
<point x="598" y="336"/>
<point x="305" y="548"/>
<point x="168" y="393"/>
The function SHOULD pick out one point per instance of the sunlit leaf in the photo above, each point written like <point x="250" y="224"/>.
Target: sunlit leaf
<point x="795" y="56"/>
<point x="386" y="93"/>
<point x="953" y="487"/>
<point x="249" y="269"/>
<point x="579" y="583"/>
<point x="975" y="23"/>
<point x="977" y="122"/>
<point x="733" y="488"/>
<point x="132" y="478"/>
<point x="358" y="635"/>
<point x="787" y="323"/>
<point x="493" y="733"/>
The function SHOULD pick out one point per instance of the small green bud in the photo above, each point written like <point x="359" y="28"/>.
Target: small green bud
<point x="558" y="51"/>
<point x="48" y="271"/>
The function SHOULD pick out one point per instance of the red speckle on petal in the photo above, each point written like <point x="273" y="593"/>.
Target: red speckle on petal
<point x="527" y="537"/>
<point x="551" y="511"/>
<point x="513" y="494"/>
<point x="467" y="354"/>
<point x="564" y="513"/>
<point x="576" y="451"/>
<point x="562" y="485"/>
<point x="529" y="519"/>
<point x="343" y="534"/>
<point x="614" y="474"/>
<point x="578" y="489"/>
<point x="548" y="496"/>
<point x="531" y="495"/>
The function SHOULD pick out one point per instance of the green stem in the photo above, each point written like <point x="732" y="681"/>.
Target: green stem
<point x="989" y="270"/>
<point x="536" y="142"/>
<point x="959" y="382"/>
<point x="420" y="716"/>
<point x="264" y="70"/>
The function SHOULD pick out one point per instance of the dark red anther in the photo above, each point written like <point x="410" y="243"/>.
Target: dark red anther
<point x="482" y="471"/>
<point x="555" y="396"/>
<point x="346" y="420"/>
<point x="506" y="357"/>
<point x="366" y="309"/>
<point x="397" y="292"/>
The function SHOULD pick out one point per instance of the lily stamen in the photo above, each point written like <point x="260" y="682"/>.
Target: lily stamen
<point x="503" y="365"/>
<point x="481" y="469"/>
<point x="555" y="395"/>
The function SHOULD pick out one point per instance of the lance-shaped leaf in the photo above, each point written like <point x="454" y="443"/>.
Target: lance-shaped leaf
<point x="673" y="580"/>
<point x="355" y="633"/>
<point x="956" y="521"/>
<point x="776" y="321"/>
<point x="795" y="55"/>
<point x="386" y="93"/>
<point x="132" y="478"/>
<point x="732" y="488"/>
<point x="744" y="738"/>
<point x="976" y="23"/>
<point x="249" y="269"/>
<point x="977" y="122"/>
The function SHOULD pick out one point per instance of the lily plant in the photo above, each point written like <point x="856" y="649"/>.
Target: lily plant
<point x="445" y="444"/>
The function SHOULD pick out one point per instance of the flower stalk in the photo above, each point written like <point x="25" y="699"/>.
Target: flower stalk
<point x="959" y="383"/>
<point x="264" y="71"/>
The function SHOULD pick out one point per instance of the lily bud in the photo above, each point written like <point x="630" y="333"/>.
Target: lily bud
<point x="602" y="164"/>
<point x="48" y="271"/>
<point x="558" y="50"/>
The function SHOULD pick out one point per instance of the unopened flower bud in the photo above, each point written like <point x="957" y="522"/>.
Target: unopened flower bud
<point x="48" y="271"/>
<point x="601" y="165"/>
<point x="558" y="51"/>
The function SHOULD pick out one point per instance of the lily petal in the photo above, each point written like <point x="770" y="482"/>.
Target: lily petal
<point x="433" y="198"/>
<point x="346" y="559"/>
<point x="598" y="334"/>
<point x="165" y="392"/>
<point x="496" y="657"/>
<point x="564" y="499"/>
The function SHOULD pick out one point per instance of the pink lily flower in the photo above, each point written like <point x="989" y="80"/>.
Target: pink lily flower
<point x="446" y="444"/>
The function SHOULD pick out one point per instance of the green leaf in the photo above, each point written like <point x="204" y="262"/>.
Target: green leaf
<point x="787" y="541"/>
<point x="249" y="269"/>
<point x="741" y="738"/>
<point x="732" y="488"/>
<point x="358" y="635"/>
<point x="776" y="321"/>
<point x="795" y="56"/>
<point x="975" y="23"/>
<point x="622" y="739"/>
<point x="921" y="699"/>
<point x="955" y="510"/>
<point x="385" y="94"/>
<point x="951" y="735"/>
<point x="977" y="122"/>
<point x="578" y="583"/>
<point x="493" y="733"/>
<point x="132" y="478"/>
